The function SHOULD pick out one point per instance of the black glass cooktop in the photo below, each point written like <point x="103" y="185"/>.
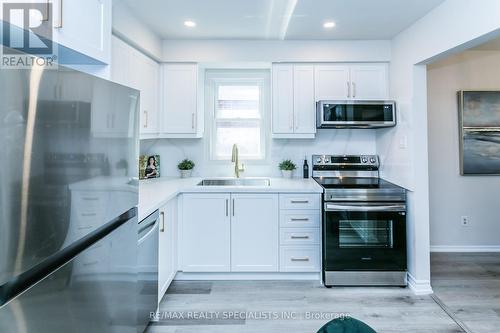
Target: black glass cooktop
<point x="351" y="182"/>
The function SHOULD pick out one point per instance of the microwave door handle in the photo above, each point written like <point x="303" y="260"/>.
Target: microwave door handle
<point x="335" y="207"/>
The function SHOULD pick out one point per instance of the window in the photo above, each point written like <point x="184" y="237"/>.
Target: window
<point x="237" y="101"/>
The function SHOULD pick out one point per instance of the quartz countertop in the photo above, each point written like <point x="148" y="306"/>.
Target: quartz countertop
<point x="154" y="193"/>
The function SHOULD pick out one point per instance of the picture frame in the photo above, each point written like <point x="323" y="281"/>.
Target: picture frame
<point x="479" y="128"/>
<point x="149" y="166"/>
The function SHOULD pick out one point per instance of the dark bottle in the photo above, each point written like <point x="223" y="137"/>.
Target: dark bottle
<point x="306" y="168"/>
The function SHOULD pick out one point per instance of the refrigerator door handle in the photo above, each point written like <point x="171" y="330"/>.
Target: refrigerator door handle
<point x="27" y="279"/>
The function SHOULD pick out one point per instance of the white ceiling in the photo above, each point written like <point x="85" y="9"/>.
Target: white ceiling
<point x="280" y="19"/>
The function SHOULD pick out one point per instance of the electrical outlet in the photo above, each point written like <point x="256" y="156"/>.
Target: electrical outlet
<point x="465" y="220"/>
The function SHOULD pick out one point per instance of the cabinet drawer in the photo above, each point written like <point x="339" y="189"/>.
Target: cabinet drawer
<point x="299" y="201"/>
<point x="299" y="236"/>
<point x="299" y="258"/>
<point x="89" y="201"/>
<point x="299" y="218"/>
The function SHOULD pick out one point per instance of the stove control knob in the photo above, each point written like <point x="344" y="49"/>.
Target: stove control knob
<point x="318" y="160"/>
<point x="327" y="160"/>
<point x="364" y="160"/>
<point x="373" y="160"/>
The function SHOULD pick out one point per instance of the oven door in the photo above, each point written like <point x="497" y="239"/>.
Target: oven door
<point x="364" y="237"/>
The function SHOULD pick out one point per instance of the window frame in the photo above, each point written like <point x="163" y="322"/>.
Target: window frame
<point x="217" y="78"/>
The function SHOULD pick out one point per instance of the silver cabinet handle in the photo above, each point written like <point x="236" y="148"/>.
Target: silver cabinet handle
<point x="90" y="198"/>
<point x="300" y="259"/>
<point x="227" y="207"/>
<point x="162" y="225"/>
<point x="299" y="237"/>
<point x="299" y="220"/>
<point x="354" y="90"/>
<point x="348" y="90"/>
<point x="146" y="119"/>
<point x="300" y="201"/>
<point x="192" y="120"/>
<point x="233" y="207"/>
<point x="59" y="22"/>
<point x="113" y="120"/>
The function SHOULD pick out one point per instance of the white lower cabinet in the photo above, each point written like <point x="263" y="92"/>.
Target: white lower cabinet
<point x="230" y="232"/>
<point x="206" y="232"/>
<point x="254" y="233"/>
<point x="300" y="236"/>
<point x="167" y="252"/>
<point x="302" y="258"/>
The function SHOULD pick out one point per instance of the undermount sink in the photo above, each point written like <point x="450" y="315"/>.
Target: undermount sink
<point x="235" y="182"/>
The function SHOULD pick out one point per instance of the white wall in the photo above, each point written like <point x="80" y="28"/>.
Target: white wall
<point x="275" y="51"/>
<point x="245" y="54"/>
<point x="172" y="151"/>
<point x="451" y="27"/>
<point x="452" y="195"/>
<point x="127" y="27"/>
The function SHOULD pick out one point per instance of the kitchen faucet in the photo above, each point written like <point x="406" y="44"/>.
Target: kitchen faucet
<point x="236" y="161"/>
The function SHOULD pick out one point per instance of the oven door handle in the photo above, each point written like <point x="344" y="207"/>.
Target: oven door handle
<point x="353" y="208"/>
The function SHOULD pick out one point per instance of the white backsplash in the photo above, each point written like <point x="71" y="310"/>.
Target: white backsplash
<point x="327" y="141"/>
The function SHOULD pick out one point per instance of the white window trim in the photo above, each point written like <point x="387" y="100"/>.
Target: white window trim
<point x="214" y="78"/>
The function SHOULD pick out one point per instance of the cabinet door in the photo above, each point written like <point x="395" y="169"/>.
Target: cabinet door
<point x="304" y="105"/>
<point x="167" y="247"/>
<point x="206" y="233"/>
<point x="254" y="233"/>
<point x="120" y="62"/>
<point x="369" y="82"/>
<point x="282" y="96"/>
<point x="84" y="26"/>
<point x="332" y="82"/>
<point x="179" y="99"/>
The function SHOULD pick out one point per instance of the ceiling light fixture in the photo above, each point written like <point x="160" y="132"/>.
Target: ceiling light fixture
<point x="190" y="24"/>
<point x="329" y="24"/>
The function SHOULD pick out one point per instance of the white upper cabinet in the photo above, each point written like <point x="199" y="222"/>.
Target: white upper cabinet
<point x="369" y="82"/>
<point x="254" y="233"/>
<point x="84" y="26"/>
<point x="331" y="82"/>
<point x="180" y="117"/>
<point x="134" y="69"/>
<point x="304" y="105"/>
<point x="351" y="82"/>
<point x="293" y="101"/>
<point x="282" y="99"/>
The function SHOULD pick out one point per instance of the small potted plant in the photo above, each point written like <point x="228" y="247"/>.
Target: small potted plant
<point x="287" y="167"/>
<point x="186" y="168"/>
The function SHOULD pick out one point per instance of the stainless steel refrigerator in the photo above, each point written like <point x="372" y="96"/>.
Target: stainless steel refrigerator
<point x="68" y="197"/>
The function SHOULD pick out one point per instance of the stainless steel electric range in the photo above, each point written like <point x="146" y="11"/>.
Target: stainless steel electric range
<point x="364" y="223"/>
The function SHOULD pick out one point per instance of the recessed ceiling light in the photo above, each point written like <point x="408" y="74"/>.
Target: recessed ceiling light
<point x="329" y="24"/>
<point x="190" y="24"/>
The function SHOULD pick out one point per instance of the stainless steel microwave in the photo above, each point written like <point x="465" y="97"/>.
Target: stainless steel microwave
<point x="356" y="114"/>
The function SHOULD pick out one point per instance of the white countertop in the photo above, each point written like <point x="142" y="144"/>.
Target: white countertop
<point x="154" y="193"/>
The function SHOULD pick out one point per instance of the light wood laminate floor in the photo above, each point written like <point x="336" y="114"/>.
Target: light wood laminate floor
<point x="388" y="310"/>
<point x="468" y="284"/>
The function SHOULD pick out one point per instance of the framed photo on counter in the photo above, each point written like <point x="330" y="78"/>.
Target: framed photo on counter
<point x="149" y="166"/>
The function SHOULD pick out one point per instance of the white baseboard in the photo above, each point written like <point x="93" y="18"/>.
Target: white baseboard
<point x="247" y="276"/>
<point x="419" y="287"/>
<point x="465" y="248"/>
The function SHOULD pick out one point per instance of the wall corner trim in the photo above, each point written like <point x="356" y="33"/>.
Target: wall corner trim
<point x="419" y="287"/>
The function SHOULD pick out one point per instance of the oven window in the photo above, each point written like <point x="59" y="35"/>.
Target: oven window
<point x="366" y="234"/>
